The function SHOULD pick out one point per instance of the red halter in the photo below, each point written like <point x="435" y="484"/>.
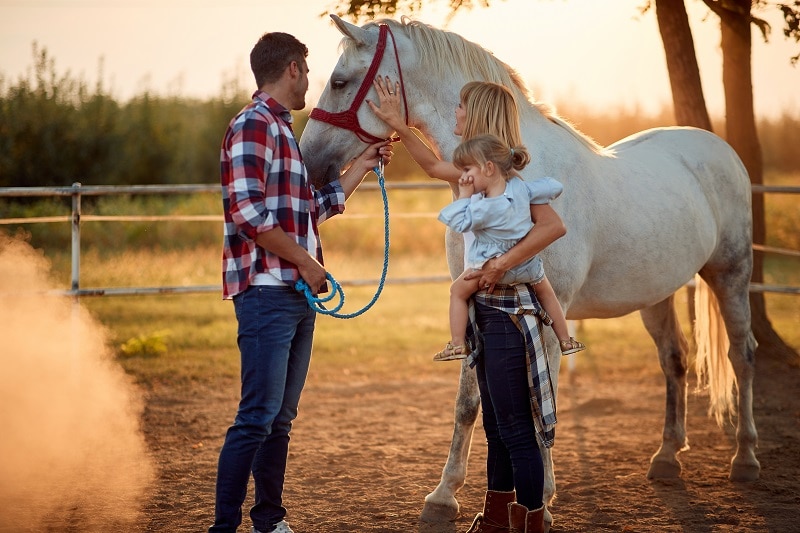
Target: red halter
<point x="349" y="119"/>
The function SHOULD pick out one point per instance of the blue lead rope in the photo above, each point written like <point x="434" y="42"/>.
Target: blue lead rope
<point x="316" y="302"/>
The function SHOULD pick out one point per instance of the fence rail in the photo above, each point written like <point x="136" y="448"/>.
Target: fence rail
<point x="77" y="191"/>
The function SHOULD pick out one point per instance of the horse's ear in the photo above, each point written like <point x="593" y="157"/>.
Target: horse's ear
<point x="350" y="30"/>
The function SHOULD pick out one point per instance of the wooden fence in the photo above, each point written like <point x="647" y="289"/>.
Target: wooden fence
<point x="77" y="191"/>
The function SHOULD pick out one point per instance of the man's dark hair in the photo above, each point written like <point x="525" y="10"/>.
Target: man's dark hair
<point x="272" y="54"/>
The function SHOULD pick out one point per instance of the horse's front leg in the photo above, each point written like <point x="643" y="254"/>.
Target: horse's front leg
<point x="441" y="504"/>
<point x="554" y="357"/>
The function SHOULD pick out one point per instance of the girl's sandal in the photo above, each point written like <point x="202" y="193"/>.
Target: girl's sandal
<point x="571" y="346"/>
<point x="451" y="353"/>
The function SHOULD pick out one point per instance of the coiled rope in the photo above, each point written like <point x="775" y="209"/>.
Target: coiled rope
<point x="316" y="302"/>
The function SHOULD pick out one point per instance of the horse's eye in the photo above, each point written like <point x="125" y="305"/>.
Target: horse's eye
<point x="338" y="84"/>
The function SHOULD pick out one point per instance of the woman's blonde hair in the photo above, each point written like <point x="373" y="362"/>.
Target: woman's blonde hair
<point x="490" y="108"/>
<point x="484" y="148"/>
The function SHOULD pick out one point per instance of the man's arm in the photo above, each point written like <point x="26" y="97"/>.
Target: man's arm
<point x="361" y="165"/>
<point x="277" y="242"/>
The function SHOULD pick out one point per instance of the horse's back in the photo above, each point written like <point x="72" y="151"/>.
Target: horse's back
<point x="668" y="197"/>
<point x="703" y="153"/>
<point x="691" y="156"/>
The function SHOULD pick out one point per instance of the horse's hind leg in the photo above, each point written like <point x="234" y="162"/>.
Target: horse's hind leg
<point x="661" y="323"/>
<point x="441" y="504"/>
<point x="731" y="288"/>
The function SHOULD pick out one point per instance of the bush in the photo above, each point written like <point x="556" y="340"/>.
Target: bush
<point x="54" y="131"/>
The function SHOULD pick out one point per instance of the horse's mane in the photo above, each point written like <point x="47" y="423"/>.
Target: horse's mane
<point x="443" y="52"/>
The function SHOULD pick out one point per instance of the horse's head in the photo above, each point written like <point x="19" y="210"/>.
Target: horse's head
<point x="432" y="66"/>
<point x="342" y="125"/>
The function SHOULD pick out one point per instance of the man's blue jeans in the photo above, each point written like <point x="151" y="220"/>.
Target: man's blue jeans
<point x="276" y="328"/>
<point x="513" y="460"/>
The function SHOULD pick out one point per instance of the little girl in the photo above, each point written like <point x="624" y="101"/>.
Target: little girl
<point x="494" y="204"/>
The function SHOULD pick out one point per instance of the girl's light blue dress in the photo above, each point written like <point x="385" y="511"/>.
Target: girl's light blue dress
<point x="498" y="223"/>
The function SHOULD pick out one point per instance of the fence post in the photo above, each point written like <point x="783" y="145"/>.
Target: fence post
<point x="76" y="237"/>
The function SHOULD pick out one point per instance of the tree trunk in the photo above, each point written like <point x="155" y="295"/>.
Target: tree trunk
<point x="690" y="110"/>
<point x="684" y="74"/>
<point x="742" y="135"/>
<point x="688" y="102"/>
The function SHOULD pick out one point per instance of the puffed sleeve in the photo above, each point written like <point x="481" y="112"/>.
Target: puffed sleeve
<point x="457" y="215"/>
<point x="543" y="190"/>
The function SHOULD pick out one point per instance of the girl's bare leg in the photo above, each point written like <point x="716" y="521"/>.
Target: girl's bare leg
<point x="547" y="297"/>
<point x="460" y="292"/>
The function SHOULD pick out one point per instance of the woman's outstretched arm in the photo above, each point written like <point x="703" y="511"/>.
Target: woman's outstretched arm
<point x="390" y="112"/>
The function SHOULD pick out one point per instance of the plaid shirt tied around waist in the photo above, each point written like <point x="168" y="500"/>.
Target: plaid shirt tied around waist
<point x="520" y="302"/>
<point x="265" y="185"/>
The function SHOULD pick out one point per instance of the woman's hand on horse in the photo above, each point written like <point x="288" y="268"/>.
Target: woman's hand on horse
<point x="389" y="110"/>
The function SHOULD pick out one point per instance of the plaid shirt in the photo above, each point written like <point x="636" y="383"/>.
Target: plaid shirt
<point x="264" y="186"/>
<point x="520" y="302"/>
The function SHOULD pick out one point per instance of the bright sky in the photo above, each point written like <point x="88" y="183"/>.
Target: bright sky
<point x="595" y="53"/>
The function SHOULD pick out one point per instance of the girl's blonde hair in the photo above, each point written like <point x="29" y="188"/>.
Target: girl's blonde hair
<point x="490" y="108"/>
<point x="484" y="148"/>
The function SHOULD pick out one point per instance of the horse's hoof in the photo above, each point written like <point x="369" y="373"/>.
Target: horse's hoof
<point x="437" y="513"/>
<point x="660" y="469"/>
<point x="744" y="471"/>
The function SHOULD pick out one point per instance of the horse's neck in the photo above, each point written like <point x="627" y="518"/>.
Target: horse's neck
<point x="555" y="146"/>
<point x="435" y="118"/>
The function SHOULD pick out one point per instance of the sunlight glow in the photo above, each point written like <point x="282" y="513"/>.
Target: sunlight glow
<point x="604" y="54"/>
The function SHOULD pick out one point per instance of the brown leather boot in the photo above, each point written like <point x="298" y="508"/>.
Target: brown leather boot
<point x="523" y="521"/>
<point x="494" y="518"/>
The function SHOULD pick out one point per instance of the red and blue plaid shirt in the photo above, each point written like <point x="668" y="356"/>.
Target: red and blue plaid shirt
<point x="264" y="186"/>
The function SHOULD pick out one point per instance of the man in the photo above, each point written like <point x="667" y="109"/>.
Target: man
<point x="271" y="241"/>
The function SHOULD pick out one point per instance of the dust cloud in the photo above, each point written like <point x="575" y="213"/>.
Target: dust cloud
<point x="72" y="455"/>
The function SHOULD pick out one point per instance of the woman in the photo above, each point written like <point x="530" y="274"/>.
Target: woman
<point x="472" y="118"/>
<point x="515" y="471"/>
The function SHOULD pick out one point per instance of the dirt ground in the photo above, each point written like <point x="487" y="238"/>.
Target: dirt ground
<point x="365" y="454"/>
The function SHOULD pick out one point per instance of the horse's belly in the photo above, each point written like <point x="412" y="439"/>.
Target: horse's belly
<point x="612" y="296"/>
<point x="586" y="310"/>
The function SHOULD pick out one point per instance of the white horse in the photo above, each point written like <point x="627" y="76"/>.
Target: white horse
<point x="644" y="216"/>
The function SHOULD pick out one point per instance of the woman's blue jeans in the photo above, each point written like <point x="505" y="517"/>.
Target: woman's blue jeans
<point x="513" y="460"/>
<point x="276" y="328"/>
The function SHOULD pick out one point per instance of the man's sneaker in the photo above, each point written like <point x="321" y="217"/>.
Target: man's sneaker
<point x="282" y="527"/>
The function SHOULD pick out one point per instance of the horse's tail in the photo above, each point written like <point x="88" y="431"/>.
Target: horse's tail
<point x="714" y="370"/>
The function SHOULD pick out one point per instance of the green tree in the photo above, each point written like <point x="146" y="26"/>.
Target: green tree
<point x="53" y="130"/>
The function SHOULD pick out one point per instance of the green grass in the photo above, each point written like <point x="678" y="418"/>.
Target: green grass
<point x="200" y="331"/>
<point x="783" y="213"/>
<point x="393" y="340"/>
